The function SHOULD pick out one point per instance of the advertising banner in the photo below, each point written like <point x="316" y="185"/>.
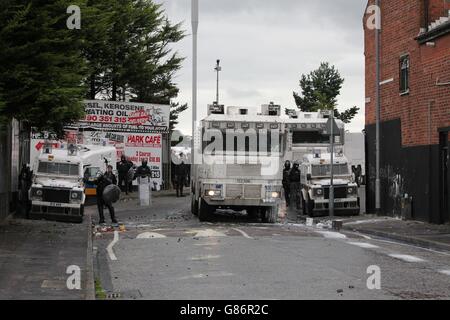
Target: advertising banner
<point x="133" y="117"/>
<point x="146" y="146"/>
<point x="115" y="139"/>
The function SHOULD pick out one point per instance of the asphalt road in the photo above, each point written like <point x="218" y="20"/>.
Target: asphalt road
<point x="165" y="253"/>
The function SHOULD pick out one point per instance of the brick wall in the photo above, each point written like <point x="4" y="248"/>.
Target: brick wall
<point x="427" y="107"/>
<point x="438" y="8"/>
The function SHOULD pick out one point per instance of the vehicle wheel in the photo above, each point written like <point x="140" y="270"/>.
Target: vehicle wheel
<point x="271" y="214"/>
<point x="194" y="206"/>
<point x="204" y="211"/>
<point x="82" y="210"/>
<point x="302" y="200"/>
<point x="252" y="213"/>
<point x="310" y="206"/>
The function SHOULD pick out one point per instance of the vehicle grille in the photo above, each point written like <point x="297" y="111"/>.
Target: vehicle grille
<point x="243" y="170"/>
<point x="339" y="192"/>
<point x="233" y="190"/>
<point x="252" y="191"/>
<point x="56" y="195"/>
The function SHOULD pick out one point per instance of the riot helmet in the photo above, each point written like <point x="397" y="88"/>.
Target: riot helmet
<point x="287" y="165"/>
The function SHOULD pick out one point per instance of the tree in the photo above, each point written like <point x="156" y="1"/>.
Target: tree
<point x="175" y="110"/>
<point x="320" y="89"/>
<point x="128" y="53"/>
<point x="41" y="68"/>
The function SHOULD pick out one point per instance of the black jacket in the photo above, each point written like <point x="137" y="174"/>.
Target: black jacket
<point x="123" y="167"/>
<point x="143" y="171"/>
<point x="103" y="181"/>
<point x="286" y="175"/>
<point x="181" y="170"/>
<point x="294" y="175"/>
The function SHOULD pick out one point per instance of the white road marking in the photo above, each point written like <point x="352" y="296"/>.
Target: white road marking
<point x="150" y="235"/>
<point x="446" y="272"/>
<point x="202" y="275"/>
<point x="332" y="235"/>
<point x="243" y="233"/>
<point x="412" y="246"/>
<point x="364" y="245"/>
<point x="109" y="249"/>
<point x="206" y="244"/>
<point x="367" y="221"/>
<point x="406" y="257"/>
<point x="209" y="233"/>
<point x="205" y="257"/>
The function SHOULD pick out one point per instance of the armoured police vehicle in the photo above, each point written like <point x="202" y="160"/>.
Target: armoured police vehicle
<point x="57" y="192"/>
<point x="315" y="182"/>
<point x="238" y="157"/>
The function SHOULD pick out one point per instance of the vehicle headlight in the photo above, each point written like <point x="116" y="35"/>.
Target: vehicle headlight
<point x="75" y="195"/>
<point x="275" y="194"/>
<point x="36" y="192"/>
<point x="318" y="192"/>
<point x="351" y="190"/>
<point x="213" y="193"/>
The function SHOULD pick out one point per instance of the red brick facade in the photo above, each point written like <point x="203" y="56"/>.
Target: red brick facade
<point x="415" y="118"/>
<point x="427" y="106"/>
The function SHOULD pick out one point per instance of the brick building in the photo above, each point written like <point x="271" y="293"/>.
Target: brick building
<point x="415" y="108"/>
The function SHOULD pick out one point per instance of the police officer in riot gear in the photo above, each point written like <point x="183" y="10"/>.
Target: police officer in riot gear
<point x="294" y="180"/>
<point x="286" y="183"/>
<point x="143" y="170"/>
<point x="123" y="166"/>
<point x="102" y="181"/>
<point x="181" y="171"/>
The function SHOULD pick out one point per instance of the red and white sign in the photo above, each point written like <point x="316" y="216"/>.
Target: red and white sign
<point x="130" y="117"/>
<point x="149" y="147"/>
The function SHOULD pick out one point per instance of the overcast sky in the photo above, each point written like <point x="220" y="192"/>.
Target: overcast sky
<point x="264" y="47"/>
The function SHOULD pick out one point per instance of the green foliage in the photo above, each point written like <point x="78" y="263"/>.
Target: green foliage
<point x="128" y="52"/>
<point x="121" y="52"/>
<point x="41" y="68"/>
<point x="175" y="110"/>
<point x="320" y="89"/>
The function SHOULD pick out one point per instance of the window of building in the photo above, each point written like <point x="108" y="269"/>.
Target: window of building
<point x="404" y="75"/>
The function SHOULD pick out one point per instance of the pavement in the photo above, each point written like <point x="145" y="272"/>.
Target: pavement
<point x="166" y="253"/>
<point x="36" y="256"/>
<point x="426" y="235"/>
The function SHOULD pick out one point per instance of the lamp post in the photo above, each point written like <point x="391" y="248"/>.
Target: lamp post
<point x="378" y="107"/>
<point x="194" y="22"/>
<point x="331" y="203"/>
<point x="218" y="68"/>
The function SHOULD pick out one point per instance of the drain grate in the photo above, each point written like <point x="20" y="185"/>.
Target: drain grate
<point x="113" y="295"/>
<point x="126" y="295"/>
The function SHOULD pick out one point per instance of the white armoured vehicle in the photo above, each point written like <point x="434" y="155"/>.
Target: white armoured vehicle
<point x="306" y="134"/>
<point x="57" y="192"/>
<point x="241" y="156"/>
<point x="315" y="185"/>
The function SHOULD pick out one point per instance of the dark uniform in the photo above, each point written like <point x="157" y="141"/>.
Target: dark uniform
<point x="122" y="168"/>
<point x="294" y="180"/>
<point x="286" y="183"/>
<point x="181" y="171"/>
<point x="143" y="170"/>
<point x="102" y="182"/>
<point x="25" y="182"/>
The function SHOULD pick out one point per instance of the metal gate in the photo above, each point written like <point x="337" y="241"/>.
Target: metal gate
<point x="444" y="175"/>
